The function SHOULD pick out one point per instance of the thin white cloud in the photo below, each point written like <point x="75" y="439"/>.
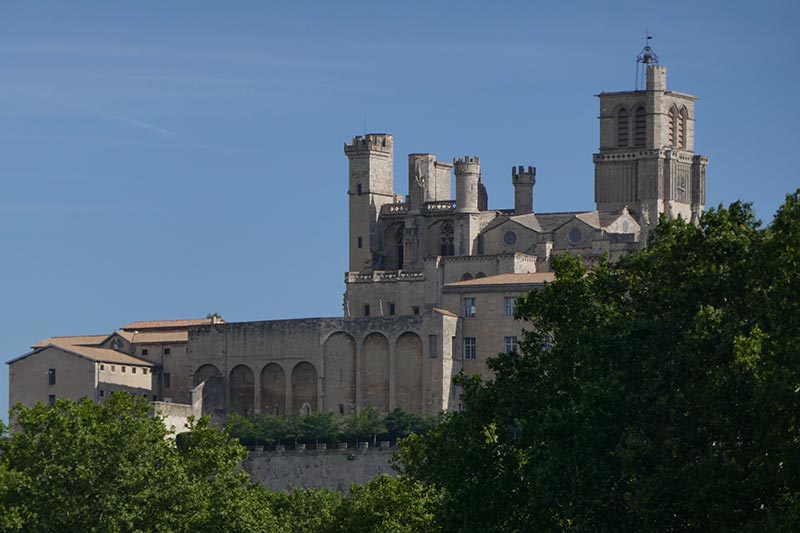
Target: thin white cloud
<point x="128" y="120"/>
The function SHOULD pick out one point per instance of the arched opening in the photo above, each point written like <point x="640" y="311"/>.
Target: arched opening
<point x="304" y="387"/>
<point x="671" y="117"/>
<point x="446" y="240"/>
<point x="339" y="385"/>
<point x="480" y="275"/>
<point x="409" y="372"/>
<point x="213" y="390"/>
<point x="622" y="128"/>
<point x="640" y="127"/>
<point x="466" y="277"/>
<point x="376" y="372"/>
<point x="242" y="391"/>
<point x="273" y="390"/>
<point x="682" y="128"/>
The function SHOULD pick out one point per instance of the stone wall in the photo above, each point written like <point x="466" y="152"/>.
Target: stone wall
<point x="328" y="469"/>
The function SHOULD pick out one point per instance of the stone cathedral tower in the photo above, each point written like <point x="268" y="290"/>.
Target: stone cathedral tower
<point x="647" y="160"/>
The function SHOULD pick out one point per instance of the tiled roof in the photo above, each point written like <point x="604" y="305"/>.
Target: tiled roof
<point x="102" y="355"/>
<point x="171" y="324"/>
<point x="152" y="337"/>
<point x="74" y="340"/>
<point x="532" y="278"/>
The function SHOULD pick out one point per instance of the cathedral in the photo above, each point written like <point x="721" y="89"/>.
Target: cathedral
<point x="431" y="285"/>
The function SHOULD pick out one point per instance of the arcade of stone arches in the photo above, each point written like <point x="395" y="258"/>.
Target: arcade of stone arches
<point x="391" y="375"/>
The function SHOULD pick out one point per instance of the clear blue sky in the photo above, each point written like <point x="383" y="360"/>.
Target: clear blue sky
<point x="170" y="159"/>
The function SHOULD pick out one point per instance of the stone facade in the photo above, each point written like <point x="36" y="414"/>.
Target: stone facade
<point x="432" y="279"/>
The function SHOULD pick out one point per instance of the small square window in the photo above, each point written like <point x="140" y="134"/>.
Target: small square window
<point x="167" y="351"/>
<point x="511" y="344"/>
<point x="144" y="395"/>
<point x="391" y="309"/>
<point x="102" y="367"/>
<point x="133" y="370"/>
<point x="360" y="242"/>
<point x="51" y="399"/>
<point x="102" y="393"/>
<point x="469" y="348"/>
<point x="113" y="368"/>
<point x="144" y="371"/>
<point x="510" y="304"/>
<point x="122" y="368"/>
<point x="155" y="397"/>
<point x="469" y="307"/>
<point x="432" y="346"/>
<point x="51" y="376"/>
<point x="415" y="309"/>
<point x="145" y="351"/>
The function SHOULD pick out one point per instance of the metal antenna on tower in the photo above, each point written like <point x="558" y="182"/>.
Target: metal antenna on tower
<point x="645" y="58"/>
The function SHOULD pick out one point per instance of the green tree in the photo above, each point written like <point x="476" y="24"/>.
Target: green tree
<point x="387" y="504"/>
<point x="367" y="423"/>
<point x="667" y="400"/>
<point x="84" y="466"/>
<point x="317" y="426"/>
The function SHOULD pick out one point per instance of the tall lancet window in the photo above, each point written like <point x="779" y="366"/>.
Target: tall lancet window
<point x="399" y="240"/>
<point x="640" y="127"/>
<point x="682" y="128"/>
<point x="622" y="128"/>
<point x="672" y="126"/>
<point x="446" y="239"/>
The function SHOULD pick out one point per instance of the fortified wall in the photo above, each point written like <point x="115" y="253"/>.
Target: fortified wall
<point x="334" y="469"/>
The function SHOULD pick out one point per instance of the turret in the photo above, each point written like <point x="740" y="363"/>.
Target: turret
<point x="523" y="181"/>
<point x="468" y="171"/>
<point x="370" y="187"/>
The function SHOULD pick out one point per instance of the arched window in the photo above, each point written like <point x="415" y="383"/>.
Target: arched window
<point x="466" y="277"/>
<point x="640" y="127"/>
<point x="682" y="128"/>
<point x="446" y="239"/>
<point x="480" y="275"/>
<point x="622" y="128"/>
<point x="399" y="242"/>
<point x="671" y="116"/>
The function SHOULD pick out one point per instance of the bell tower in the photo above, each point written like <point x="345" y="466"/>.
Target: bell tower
<point x="646" y="159"/>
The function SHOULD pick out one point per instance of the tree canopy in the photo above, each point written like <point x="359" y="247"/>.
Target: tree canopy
<point x="668" y="399"/>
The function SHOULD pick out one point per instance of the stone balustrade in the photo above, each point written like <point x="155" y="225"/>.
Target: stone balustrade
<point x="381" y="276"/>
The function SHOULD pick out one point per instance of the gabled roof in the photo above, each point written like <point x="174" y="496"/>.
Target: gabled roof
<point x="73" y="340"/>
<point x="102" y="355"/>
<point x="172" y="324"/>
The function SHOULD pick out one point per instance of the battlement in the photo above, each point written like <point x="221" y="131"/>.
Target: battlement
<point x="467" y="164"/>
<point x="519" y="174"/>
<point x="371" y="142"/>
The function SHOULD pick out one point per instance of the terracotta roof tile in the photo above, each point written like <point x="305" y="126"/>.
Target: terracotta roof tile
<point x="73" y="340"/>
<point x="171" y="324"/>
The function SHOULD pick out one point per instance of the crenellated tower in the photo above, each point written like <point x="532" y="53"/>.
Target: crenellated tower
<point x="370" y="187"/>
<point x="646" y="159"/>
<point x="468" y="172"/>
<point x="523" y="181"/>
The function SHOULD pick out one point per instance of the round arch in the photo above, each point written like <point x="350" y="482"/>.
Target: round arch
<point x="241" y="385"/>
<point x="376" y="371"/>
<point x="409" y="372"/>
<point x="304" y="387"/>
<point x="273" y="390"/>
<point x="339" y="384"/>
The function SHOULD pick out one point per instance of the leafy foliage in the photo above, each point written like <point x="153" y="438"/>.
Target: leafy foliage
<point x="668" y="400"/>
